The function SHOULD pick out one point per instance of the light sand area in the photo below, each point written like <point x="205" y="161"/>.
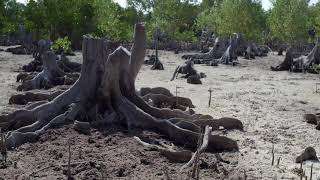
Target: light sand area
<point x="270" y="104"/>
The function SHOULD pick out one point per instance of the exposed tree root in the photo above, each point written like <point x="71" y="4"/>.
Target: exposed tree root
<point x="157" y="65"/>
<point x="33" y="66"/>
<point x="25" y="98"/>
<point x="231" y="54"/>
<point x="162" y="101"/>
<point x="19" y="50"/>
<point x="215" y="124"/>
<point x="105" y="93"/>
<point x="202" y="148"/>
<point x="192" y="76"/>
<point x="215" y="53"/>
<point x="22" y="77"/>
<point x="313" y="119"/>
<point x="50" y="76"/>
<point x="224" y="52"/>
<point x="68" y="66"/>
<point x="173" y="155"/>
<point x="155" y="62"/>
<point x="301" y="64"/>
<point x="157" y="90"/>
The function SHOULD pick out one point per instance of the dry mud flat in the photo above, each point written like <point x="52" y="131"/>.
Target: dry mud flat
<point x="270" y="104"/>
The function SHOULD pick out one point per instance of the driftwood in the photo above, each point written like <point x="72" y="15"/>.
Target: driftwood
<point x="105" y="92"/>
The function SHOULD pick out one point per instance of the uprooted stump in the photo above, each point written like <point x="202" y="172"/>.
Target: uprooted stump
<point x="105" y="94"/>
<point x="50" y="76"/>
<point x="192" y="76"/>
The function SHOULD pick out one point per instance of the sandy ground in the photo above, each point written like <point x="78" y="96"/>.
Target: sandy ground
<point x="270" y="104"/>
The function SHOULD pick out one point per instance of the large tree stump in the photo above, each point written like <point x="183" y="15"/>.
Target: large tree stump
<point x="50" y="76"/>
<point x="302" y="63"/>
<point x="235" y="48"/>
<point x="106" y="93"/>
<point x="215" y="53"/>
<point x="227" y="52"/>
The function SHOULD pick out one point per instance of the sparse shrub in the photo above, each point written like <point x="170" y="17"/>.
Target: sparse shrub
<point x="316" y="68"/>
<point x="62" y="44"/>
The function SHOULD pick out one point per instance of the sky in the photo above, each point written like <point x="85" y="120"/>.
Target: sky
<point x="265" y="3"/>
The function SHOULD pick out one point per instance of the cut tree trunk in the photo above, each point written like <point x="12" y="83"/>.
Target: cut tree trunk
<point x="107" y="87"/>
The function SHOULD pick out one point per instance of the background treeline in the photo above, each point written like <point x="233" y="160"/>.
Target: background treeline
<point x="288" y="20"/>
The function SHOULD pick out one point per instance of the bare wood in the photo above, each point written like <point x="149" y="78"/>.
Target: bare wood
<point x="202" y="148"/>
<point x="172" y="155"/>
